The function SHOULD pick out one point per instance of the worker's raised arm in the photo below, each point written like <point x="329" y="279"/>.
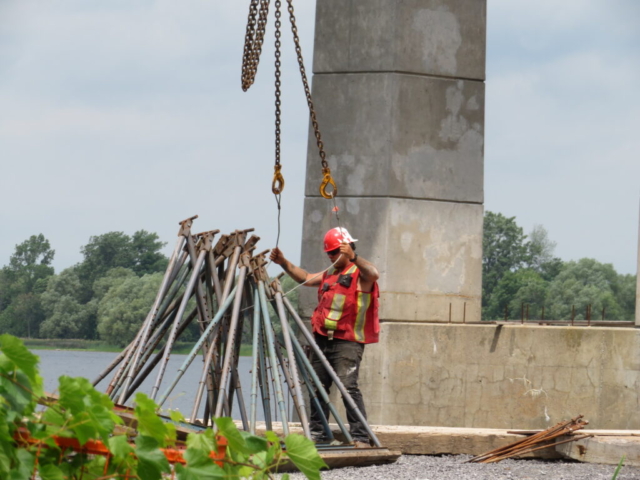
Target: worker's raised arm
<point x="300" y="275"/>
<point x="368" y="272"/>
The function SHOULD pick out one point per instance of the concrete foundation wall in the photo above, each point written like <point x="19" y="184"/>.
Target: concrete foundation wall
<point x="487" y="376"/>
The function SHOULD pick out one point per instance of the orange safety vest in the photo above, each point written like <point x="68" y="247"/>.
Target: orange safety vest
<point x="343" y="311"/>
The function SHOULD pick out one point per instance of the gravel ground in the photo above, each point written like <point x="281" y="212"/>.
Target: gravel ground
<point x="451" y="467"/>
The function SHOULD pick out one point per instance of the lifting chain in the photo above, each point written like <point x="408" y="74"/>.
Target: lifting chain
<point x="256" y="26"/>
<point x="253" y="41"/>
<point x="326" y="171"/>
<point x="278" y="180"/>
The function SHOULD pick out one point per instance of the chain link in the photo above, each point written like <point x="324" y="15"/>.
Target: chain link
<point x="253" y="40"/>
<point x="277" y="80"/>
<point x="254" y="37"/>
<point x="305" y="83"/>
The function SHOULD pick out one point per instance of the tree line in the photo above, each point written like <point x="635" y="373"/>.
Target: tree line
<point x="108" y="294"/>
<point x="519" y="269"/>
<point x="105" y="297"/>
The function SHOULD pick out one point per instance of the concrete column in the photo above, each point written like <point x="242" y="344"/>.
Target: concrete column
<point x="399" y="93"/>
<point x="638" y="281"/>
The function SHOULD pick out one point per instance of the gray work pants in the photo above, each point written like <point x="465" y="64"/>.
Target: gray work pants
<point x="344" y="357"/>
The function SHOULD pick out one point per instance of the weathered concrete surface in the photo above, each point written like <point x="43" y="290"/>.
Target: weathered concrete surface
<point x="398" y="135"/>
<point x="432" y="37"/>
<point x="508" y="377"/>
<point x="603" y="449"/>
<point x="426" y="259"/>
<point x="399" y="95"/>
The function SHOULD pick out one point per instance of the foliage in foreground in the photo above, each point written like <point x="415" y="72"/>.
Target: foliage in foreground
<point x="84" y="414"/>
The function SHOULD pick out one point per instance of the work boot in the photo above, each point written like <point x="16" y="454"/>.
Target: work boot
<point x="319" y="438"/>
<point x="361" y="444"/>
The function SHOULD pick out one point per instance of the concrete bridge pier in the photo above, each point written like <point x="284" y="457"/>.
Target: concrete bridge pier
<point x="399" y="93"/>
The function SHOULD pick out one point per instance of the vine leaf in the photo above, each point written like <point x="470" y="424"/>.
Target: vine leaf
<point x="304" y="455"/>
<point x="149" y="423"/>
<point x="151" y="461"/>
<point x="20" y="356"/>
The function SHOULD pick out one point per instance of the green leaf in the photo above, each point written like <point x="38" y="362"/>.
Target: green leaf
<point x="255" y="444"/>
<point x="24" y="468"/>
<point x="228" y="429"/>
<point x="20" y="356"/>
<point x="245" y="472"/>
<point x="50" y="472"/>
<point x="202" y="441"/>
<point x="304" y="455"/>
<point x="18" y="398"/>
<point x="119" y="446"/>
<point x="200" y="466"/>
<point x="151" y="461"/>
<point x="272" y="437"/>
<point x="285" y="477"/>
<point x="71" y="395"/>
<point x="53" y="417"/>
<point x="149" y="423"/>
<point x="176" y="416"/>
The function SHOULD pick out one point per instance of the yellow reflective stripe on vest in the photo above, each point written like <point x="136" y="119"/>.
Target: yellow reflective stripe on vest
<point x="351" y="270"/>
<point x="330" y="324"/>
<point x="335" y="313"/>
<point x="364" y="300"/>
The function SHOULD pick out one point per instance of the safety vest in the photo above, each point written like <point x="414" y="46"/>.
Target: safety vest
<point x="343" y="311"/>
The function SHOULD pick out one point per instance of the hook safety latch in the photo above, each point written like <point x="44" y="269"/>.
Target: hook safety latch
<point x="278" y="180"/>
<point x="328" y="180"/>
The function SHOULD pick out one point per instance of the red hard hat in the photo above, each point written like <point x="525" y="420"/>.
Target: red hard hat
<point x="334" y="237"/>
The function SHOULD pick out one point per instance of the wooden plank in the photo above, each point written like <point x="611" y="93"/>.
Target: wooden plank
<point x="603" y="449"/>
<point x="353" y="457"/>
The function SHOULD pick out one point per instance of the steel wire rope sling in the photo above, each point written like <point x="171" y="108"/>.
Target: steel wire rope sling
<point x="254" y="38"/>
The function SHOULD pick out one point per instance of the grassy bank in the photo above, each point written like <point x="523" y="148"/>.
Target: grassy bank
<point x="99" y="346"/>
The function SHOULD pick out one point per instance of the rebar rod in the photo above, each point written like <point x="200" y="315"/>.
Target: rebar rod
<point x="272" y="355"/>
<point x="292" y="365"/>
<point x="112" y="365"/>
<point x="195" y="349"/>
<point x="345" y="394"/>
<point x="236" y="385"/>
<point x="167" y="315"/>
<point x="195" y="274"/>
<point x="320" y="387"/>
<point x="263" y="382"/>
<point x="166" y="309"/>
<point x="228" y="281"/>
<point x="149" y="366"/>
<point x="235" y="379"/>
<point x="235" y="314"/>
<point x="157" y="337"/>
<point x="313" y="398"/>
<point x="254" y="362"/>
<point x="151" y="317"/>
<point x="205" y="372"/>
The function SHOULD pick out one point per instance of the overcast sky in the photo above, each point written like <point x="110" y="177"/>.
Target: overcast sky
<point x="127" y="115"/>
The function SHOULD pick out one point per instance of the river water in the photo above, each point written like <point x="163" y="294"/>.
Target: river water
<point x="54" y="363"/>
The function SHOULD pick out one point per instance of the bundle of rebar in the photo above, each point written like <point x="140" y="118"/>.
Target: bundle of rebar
<point x="232" y="292"/>
<point x="536" y="441"/>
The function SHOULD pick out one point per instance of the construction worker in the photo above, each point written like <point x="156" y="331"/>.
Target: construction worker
<point x="345" y="319"/>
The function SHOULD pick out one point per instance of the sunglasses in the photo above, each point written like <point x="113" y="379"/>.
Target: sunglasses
<point x="331" y="253"/>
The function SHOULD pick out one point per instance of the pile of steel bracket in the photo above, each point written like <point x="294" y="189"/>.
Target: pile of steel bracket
<point x="232" y="291"/>
<point x="536" y="441"/>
